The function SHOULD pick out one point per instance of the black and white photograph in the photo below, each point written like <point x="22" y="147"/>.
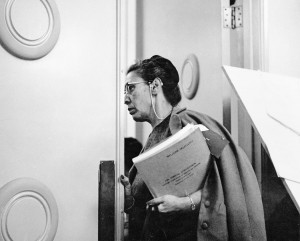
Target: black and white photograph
<point x="149" y="120"/>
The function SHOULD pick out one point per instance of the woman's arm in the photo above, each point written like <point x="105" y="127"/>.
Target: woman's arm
<point x="170" y="203"/>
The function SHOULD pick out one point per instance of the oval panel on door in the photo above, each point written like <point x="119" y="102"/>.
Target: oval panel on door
<point x="29" y="29"/>
<point x="28" y="211"/>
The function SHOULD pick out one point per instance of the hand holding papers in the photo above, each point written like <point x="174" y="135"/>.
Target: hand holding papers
<point x="178" y="165"/>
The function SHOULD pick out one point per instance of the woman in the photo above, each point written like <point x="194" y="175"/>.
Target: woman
<point x="229" y="205"/>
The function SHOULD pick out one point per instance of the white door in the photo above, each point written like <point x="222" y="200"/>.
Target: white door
<point x="58" y="116"/>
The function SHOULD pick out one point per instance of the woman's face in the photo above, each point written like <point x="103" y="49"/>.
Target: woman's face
<point x="137" y="97"/>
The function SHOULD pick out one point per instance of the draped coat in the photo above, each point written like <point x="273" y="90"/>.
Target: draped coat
<point x="231" y="205"/>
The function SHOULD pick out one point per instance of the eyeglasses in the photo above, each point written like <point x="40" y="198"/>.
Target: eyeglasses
<point x="130" y="87"/>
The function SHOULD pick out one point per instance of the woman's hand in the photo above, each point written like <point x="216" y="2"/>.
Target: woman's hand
<point x="127" y="187"/>
<point x="129" y="200"/>
<point x="170" y="203"/>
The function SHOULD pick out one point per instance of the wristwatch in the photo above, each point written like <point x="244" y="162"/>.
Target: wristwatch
<point x="193" y="206"/>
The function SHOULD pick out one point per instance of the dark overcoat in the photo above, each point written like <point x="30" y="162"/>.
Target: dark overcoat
<point x="231" y="205"/>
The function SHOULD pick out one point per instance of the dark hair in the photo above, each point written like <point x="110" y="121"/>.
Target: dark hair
<point x="159" y="67"/>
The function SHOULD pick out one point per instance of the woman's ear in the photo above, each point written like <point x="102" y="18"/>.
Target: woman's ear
<point x="154" y="86"/>
<point x="159" y="81"/>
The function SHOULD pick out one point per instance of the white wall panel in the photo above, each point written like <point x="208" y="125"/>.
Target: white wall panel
<point x="58" y="114"/>
<point x="283" y="37"/>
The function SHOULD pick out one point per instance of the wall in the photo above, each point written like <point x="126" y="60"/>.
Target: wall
<point x="58" y="114"/>
<point x="174" y="29"/>
<point x="283" y="34"/>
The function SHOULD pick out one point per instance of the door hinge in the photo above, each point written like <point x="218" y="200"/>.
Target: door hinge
<point x="233" y="17"/>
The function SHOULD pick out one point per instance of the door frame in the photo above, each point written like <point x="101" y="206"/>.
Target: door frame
<point x="122" y="62"/>
<point x="246" y="47"/>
